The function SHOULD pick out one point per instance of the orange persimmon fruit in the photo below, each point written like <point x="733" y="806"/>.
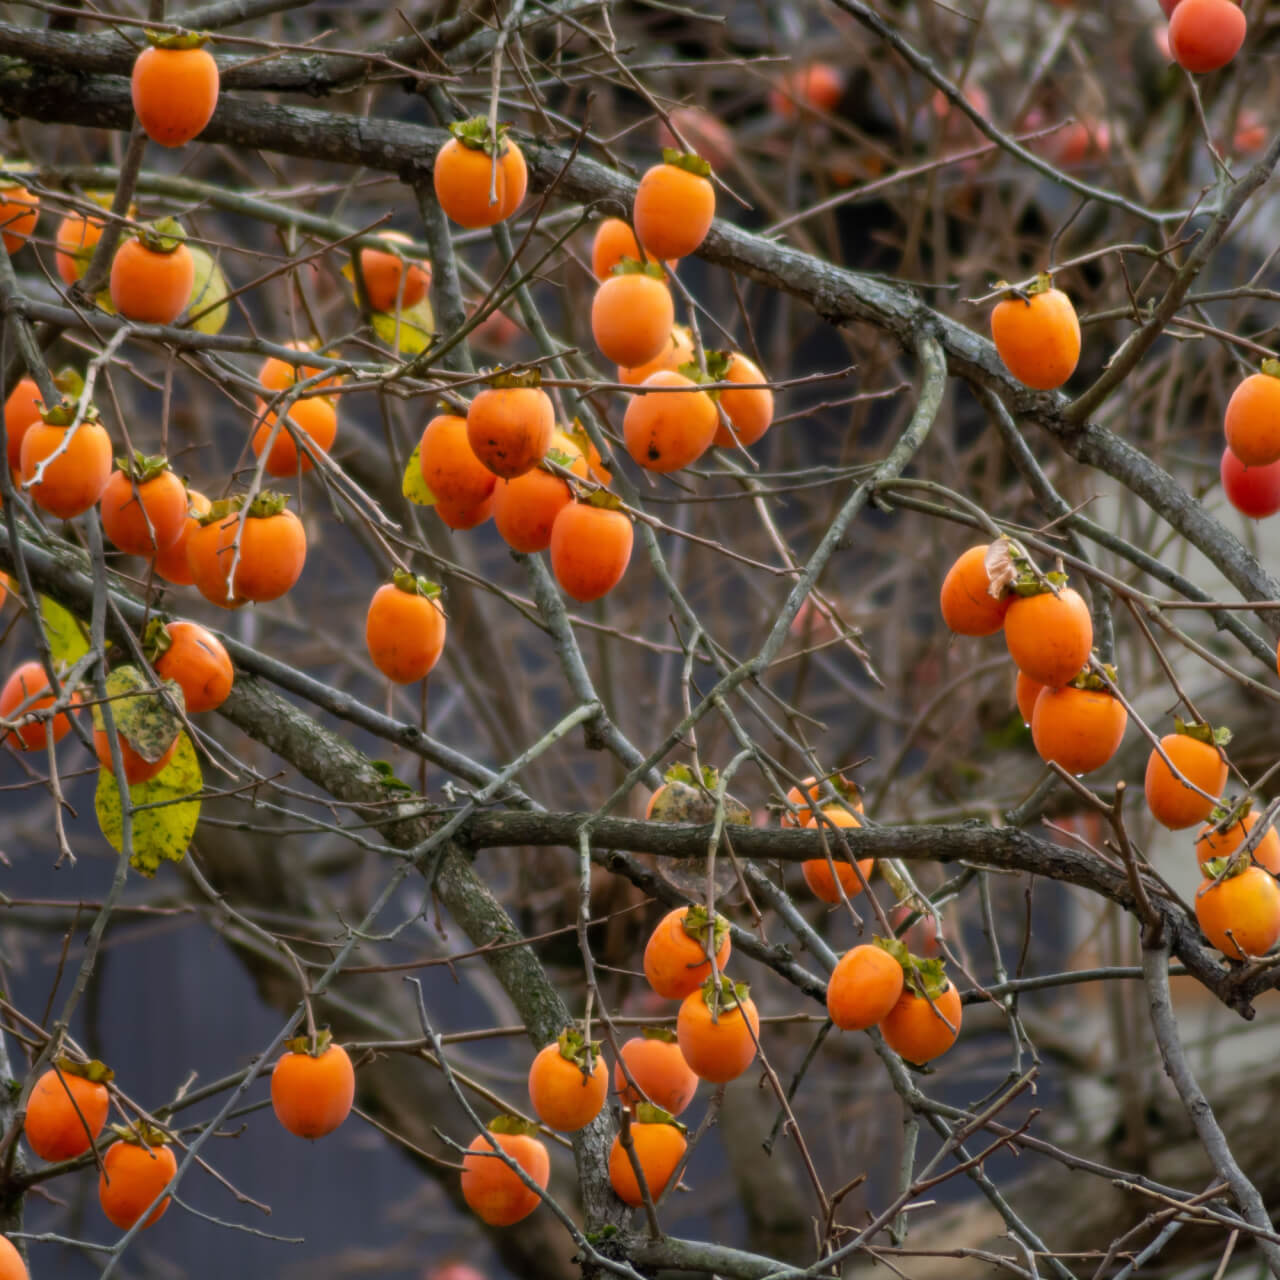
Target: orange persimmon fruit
<point x="1214" y="843"/>
<point x="864" y="986"/>
<point x="510" y="425"/>
<point x="171" y="564"/>
<point x="315" y="419"/>
<point x="717" y="1029"/>
<point x="919" y="1030"/>
<point x="675" y="205"/>
<point x="675" y="957"/>
<point x="659" y="1070"/>
<point x="665" y="430"/>
<point x="392" y="280"/>
<point x="134" y="1173"/>
<point x="152" y="274"/>
<point x="67" y="1110"/>
<point x="174" y="87"/>
<point x="568" y="1082"/>
<point x="968" y="607"/>
<point x="1199" y="759"/>
<point x="1037" y="336"/>
<point x="404" y="629"/>
<point x="450" y="468"/>
<point x="143" y="506"/>
<point x="195" y="660"/>
<point x="658" y="1144"/>
<point x="1079" y="729"/>
<point x="1204" y="35"/>
<point x="750" y="411"/>
<point x="74" y="464"/>
<point x="19" y="211"/>
<point x="471" y="166"/>
<point x="1239" y="913"/>
<point x="1049" y="635"/>
<point x="590" y="549"/>
<point x="272" y="551"/>
<point x="313" y="1086"/>
<point x="493" y="1191"/>
<point x="28" y="687"/>
<point x="632" y="314"/>
<point x="1252" y="420"/>
<point x="817" y="871"/>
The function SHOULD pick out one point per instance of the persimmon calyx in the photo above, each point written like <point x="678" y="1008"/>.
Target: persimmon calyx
<point x="312" y="1046"/>
<point x="689" y="161"/>
<point x="156" y="640"/>
<point x="718" y="364"/>
<point x="577" y="1049"/>
<point x="165" y="236"/>
<point x="1271" y="367"/>
<point x="63" y="414"/>
<point x="515" y="1126"/>
<point x="178" y="39"/>
<point x="664" y="1035"/>
<point x="94" y="1071"/>
<point x="634" y="267"/>
<point x="724" y="996"/>
<point x="476" y="135"/>
<point x="1031" y="583"/>
<point x="559" y="457"/>
<point x="413" y="585"/>
<point x="648" y="1113"/>
<point x="143" y="466"/>
<point x="1223" y="817"/>
<point x="1089" y="679"/>
<point x="69" y="381"/>
<point x="1220" y="869"/>
<point x="926" y="978"/>
<point x="1024" y="293"/>
<point x="516" y="379"/>
<point x="140" y="1134"/>
<point x="1202" y="731"/>
<point x="696" y="922"/>
<point x="684" y="773"/>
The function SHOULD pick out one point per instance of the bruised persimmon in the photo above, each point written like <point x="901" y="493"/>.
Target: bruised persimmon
<point x="472" y="167"/>
<point x="19" y="211"/>
<point x="1252" y="421"/>
<point x="1198" y="758"/>
<point x="171" y="564"/>
<point x="921" y="1031"/>
<point x="590" y="549"/>
<point x="525" y="508"/>
<point x="1211" y="842"/>
<point x="568" y="1081"/>
<point x="632" y="314"/>
<point x="272" y="551"/>
<point x="665" y="430"/>
<point x="1079" y="729"/>
<point x="391" y="280"/>
<point x="864" y="986"/>
<point x="717" y="1028"/>
<point x="1037" y="336"/>
<point x="1239" y="913"/>
<point x="195" y="660"/>
<point x="968" y="607"/>
<point x="28" y="688"/>
<point x="750" y="411"/>
<point x="313" y="1086"/>
<point x="675" y="205"/>
<point x="314" y="419"/>
<point x="494" y="1192"/>
<point x="817" y="871"/>
<point x="659" y="1070"/>
<point x="134" y="1173"/>
<point x="174" y="87"/>
<point x="658" y="1145"/>
<point x="675" y="957"/>
<point x="1204" y="35"/>
<point x="613" y="241"/>
<point x="509" y="426"/>
<point x="676" y="351"/>
<point x="1026" y="691"/>
<point x="450" y="468"/>
<point x="143" y="506"/>
<point x="73" y="464"/>
<point x="404" y="629"/>
<point x="152" y="275"/>
<point x="67" y="1110"/>
<point x="1049" y="635"/>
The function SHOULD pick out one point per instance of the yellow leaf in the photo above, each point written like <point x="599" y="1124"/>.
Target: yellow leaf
<point x="408" y="332"/>
<point x="163" y="830"/>
<point x="210" y="286"/>
<point x="68" y="637"/>
<point x="414" y="487"/>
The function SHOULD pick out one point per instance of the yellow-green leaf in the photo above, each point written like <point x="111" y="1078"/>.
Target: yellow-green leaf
<point x="210" y="287"/>
<point x="413" y="486"/>
<point x="162" y="830"/>
<point x="68" y="637"/>
<point x="141" y="717"/>
<point x="409" y="332"/>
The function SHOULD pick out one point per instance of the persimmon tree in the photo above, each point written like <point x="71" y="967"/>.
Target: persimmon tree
<point x="697" y="522"/>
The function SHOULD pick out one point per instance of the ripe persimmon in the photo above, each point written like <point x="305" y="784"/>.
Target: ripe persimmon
<point x="590" y="549"/>
<point x="811" y="792"/>
<point x="134" y="1173"/>
<point x="919" y="1030"/>
<point x="21" y="409"/>
<point x="658" y="1067"/>
<point x="459" y="515"/>
<point x="67" y="1109"/>
<point x="818" y="86"/>
<point x="76" y="238"/>
<point x="171" y="564"/>
<point x="195" y="660"/>
<point x="1204" y="35"/>
<point x="864" y="986"/>
<point x="73" y="480"/>
<point x="1212" y="843"/>
<point x="279" y="375"/>
<point x="450" y="468"/>
<point x="1049" y="636"/>
<point x="152" y="275"/>
<point x="1240" y="913"/>
<point x="471" y="166"/>
<point x="174" y="87"/>
<point x="1026" y="691"/>
<point x="1079" y="729"/>
<point x="1253" y="491"/>
<point x="143" y="506"/>
<point x="613" y="241"/>
<point x="19" y="211"/>
<point x="1037" y="336"/>
<point x="137" y="768"/>
<point x="28" y="688"/>
<point x="817" y="871"/>
<point x="12" y="1266"/>
<point x="968" y="607"/>
<point x="568" y="1082"/>
<point x="750" y="411"/>
<point x="669" y="429"/>
<point x="525" y="509"/>
<point x="675" y="957"/>
<point x="675" y="205"/>
<point x="1252" y="421"/>
<point x="392" y="280"/>
<point x="677" y="350"/>
<point x="632" y="314"/>
<point x="404" y="629"/>
<point x="315" y="419"/>
<point x="313" y="1086"/>
<point x="493" y="1191"/>
<point x="658" y="1144"/>
<point x="1199" y="759"/>
<point x="509" y="426"/>
<point x="717" y="1028"/>
<point x="272" y="551"/>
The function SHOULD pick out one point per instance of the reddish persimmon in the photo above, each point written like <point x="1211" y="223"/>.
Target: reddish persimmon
<point x="1038" y="337"/>
<point x="1172" y="802"/>
<point x="1079" y="729"/>
<point x="272" y="551"/>
<point x="19" y="210"/>
<point x="12" y="1266"/>
<point x="137" y="768"/>
<point x="614" y="240"/>
<point x="1212" y="843"/>
<point x="568" y="1082"/>
<point x="750" y="412"/>
<point x="675" y="205"/>
<point x="818" y="86"/>
<point x="1253" y="491"/>
<point x="404" y="629"/>
<point x="195" y="660"/>
<point x="467" y="173"/>
<point x="817" y="871"/>
<point x="509" y="428"/>
<point x="171" y="564"/>
<point x="1049" y="636"/>
<point x="667" y="430"/>
<point x="1240" y="914"/>
<point x="75" y="241"/>
<point x="590" y="550"/>
<point x="658" y="1146"/>
<point x="67" y="1110"/>
<point x="675" y="957"/>
<point x="968" y="607"/>
<point x="1204" y="35"/>
<point x="133" y="1176"/>
<point x="1252" y="421"/>
<point x="450" y="468"/>
<point x="1026" y="691"/>
<point x="175" y="91"/>
<point x="314" y="419"/>
<point x="494" y="1191"/>
<point x="73" y="481"/>
<point x="718" y="1028"/>
<point x="918" y="1030"/>
<point x="390" y="279"/>
<point x="677" y="350"/>
<point x="659" y="1070"/>
<point x="632" y="315"/>
<point x="313" y="1087"/>
<point x="864" y="986"/>
<point x="144" y="507"/>
<point x="21" y="409"/>
<point x="461" y="516"/>
<point x="28" y="688"/>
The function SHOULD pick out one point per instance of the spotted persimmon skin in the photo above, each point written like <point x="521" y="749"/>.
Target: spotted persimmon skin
<point x="658" y="1148"/>
<point x="968" y="608"/>
<point x="1247" y="905"/>
<point x="1211" y="843"/>
<point x="143" y="519"/>
<point x="136" y="767"/>
<point x="1204" y="35"/>
<point x="74" y="480"/>
<point x="1049" y="636"/>
<point x="722" y="1050"/>
<point x="1079" y="729"/>
<point x="494" y="1192"/>
<point x="1252" y="421"/>
<point x="199" y="664"/>
<point x="631" y="318"/>
<point x="1172" y="803"/>
<point x="22" y="689"/>
<point x="864" y="986"/>
<point x="273" y="550"/>
<point x="590" y="550"/>
<point x="661" y="1073"/>
<point x="404" y="633"/>
<point x="463" y="175"/>
<point x="150" y="287"/>
<point x="12" y="1266"/>
<point x="1038" y="339"/>
<point x="53" y="1129"/>
<point x="510" y="428"/>
<point x="19" y="212"/>
<point x="133" y="1176"/>
<point x="913" y="1029"/>
<point x="750" y="411"/>
<point x="171" y="564"/>
<point x="314" y="418"/>
<point x="450" y="468"/>
<point x="562" y="1096"/>
<point x="675" y="963"/>
<point x="174" y="92"/>
<point x="673" y="211"/>
<point x="667" y="430"/>
<point x="312" y="1096"/>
